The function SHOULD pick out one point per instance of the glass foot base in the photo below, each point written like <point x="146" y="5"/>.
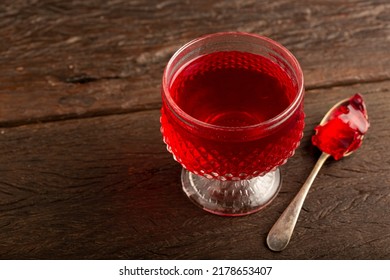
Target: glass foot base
<point x="231" y="198"/>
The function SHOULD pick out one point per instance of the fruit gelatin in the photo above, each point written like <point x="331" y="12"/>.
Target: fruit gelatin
<point x="344" y="131"/>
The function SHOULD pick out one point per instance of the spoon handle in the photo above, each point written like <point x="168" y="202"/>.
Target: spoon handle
<point x="280" y="234"/>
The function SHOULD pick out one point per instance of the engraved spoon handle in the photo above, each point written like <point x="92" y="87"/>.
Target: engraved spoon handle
<point x="280" y="234"/>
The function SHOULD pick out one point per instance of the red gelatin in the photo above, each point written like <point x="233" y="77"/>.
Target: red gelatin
<point x="344" y="131"/>
<point x="234" y="90"/>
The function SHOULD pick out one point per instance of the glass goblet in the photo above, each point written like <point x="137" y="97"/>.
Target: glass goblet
<point x="232" y="113"/>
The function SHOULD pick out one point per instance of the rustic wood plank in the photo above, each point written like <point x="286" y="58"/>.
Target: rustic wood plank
<point x="65" y="60"/>
<point x="106" y="188"/>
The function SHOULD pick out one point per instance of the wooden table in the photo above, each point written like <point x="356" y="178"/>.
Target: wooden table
<point x="84" y="173"/>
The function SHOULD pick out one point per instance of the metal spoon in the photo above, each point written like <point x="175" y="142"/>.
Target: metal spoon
<point x="281" y="232"/>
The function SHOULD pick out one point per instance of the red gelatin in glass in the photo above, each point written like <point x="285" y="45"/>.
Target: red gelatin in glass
<point x="232" y="89"/>
<point x="344" y="131"/>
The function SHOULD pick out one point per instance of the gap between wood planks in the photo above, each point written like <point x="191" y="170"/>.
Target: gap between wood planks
<point x="153" y="106"/>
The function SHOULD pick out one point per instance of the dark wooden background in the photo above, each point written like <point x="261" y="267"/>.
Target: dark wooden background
<point x="83" y="170"/>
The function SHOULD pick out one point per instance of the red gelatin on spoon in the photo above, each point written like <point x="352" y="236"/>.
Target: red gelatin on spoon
<point x="344" y="130"/>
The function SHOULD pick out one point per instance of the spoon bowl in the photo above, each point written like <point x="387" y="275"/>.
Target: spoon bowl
<point x="328" y="115"/>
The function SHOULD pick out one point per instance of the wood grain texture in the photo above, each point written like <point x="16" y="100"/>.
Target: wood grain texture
<point x="72" y="59"/>
<point x="69" y="191"/>
<point x="84" y="173"/>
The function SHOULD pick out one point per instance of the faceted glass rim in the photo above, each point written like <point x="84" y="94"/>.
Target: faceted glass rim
<point x="265" y="125"/>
